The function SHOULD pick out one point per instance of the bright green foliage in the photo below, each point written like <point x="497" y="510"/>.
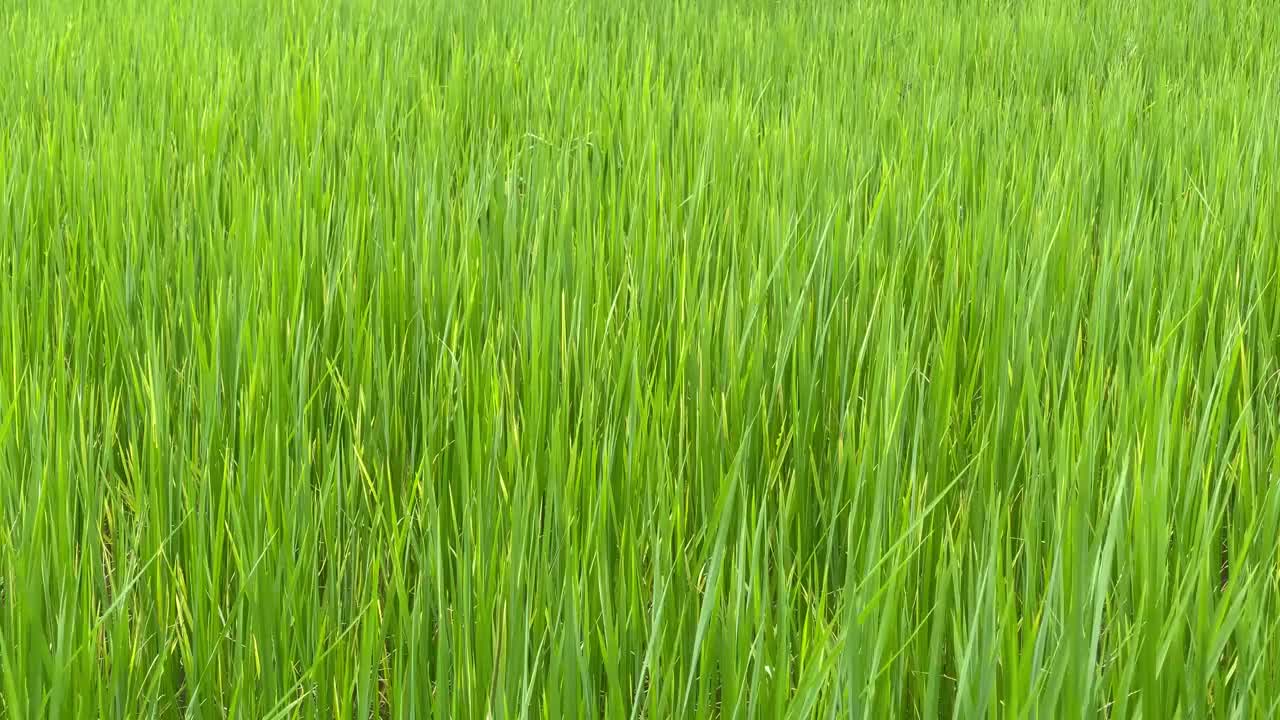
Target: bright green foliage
<point x="639" y="359"/>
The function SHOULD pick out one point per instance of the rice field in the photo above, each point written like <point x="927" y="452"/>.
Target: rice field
<point x="639" y="359"/>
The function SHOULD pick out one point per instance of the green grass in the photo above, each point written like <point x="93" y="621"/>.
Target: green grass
<point x="639" y="359"/>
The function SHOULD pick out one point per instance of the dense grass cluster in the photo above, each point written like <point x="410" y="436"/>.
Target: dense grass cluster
<point x="639" y="359"/>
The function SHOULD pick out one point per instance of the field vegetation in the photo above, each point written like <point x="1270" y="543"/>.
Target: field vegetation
<point x="639" y="359"/>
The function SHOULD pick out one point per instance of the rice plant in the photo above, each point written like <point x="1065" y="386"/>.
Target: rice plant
<point x="639" y="359"/>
